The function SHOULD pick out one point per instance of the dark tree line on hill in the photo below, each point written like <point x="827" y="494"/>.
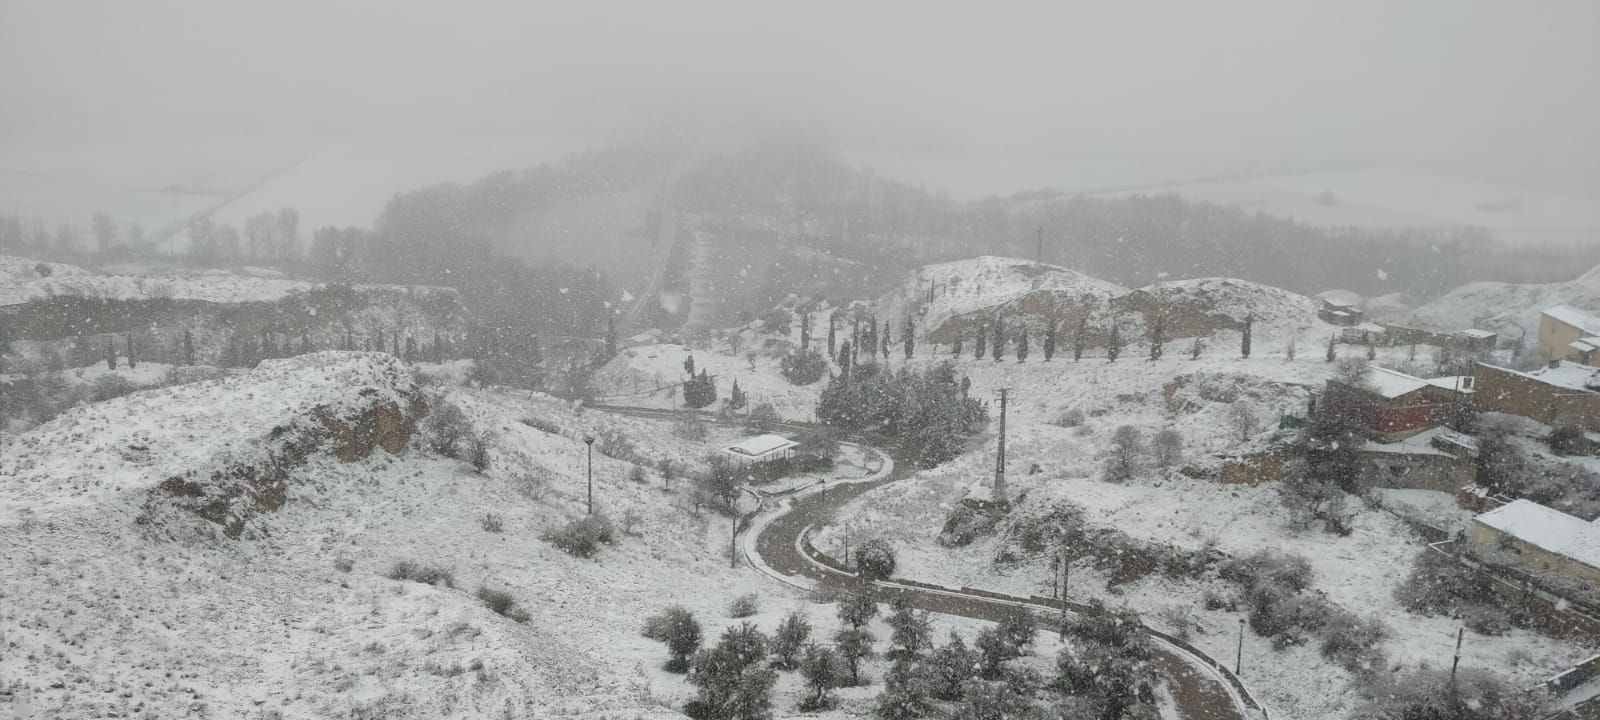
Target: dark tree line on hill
<point x="851" y="213"/>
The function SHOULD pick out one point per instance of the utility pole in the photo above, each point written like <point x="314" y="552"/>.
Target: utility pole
<point x="1066" y="570"/>
<point x="733" y="544"/>
<point x="589" y="441"/>
<point x="1000" y="456"/>
<point x="1456" y="662"/>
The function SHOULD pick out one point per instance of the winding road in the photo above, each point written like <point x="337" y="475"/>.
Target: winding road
<point x="776" y="542"/>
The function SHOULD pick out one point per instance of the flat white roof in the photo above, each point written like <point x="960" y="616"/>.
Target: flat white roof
<point x="759" y="446"/>
<point x="1565" y="375"/>
<point x="1575" y="317"/>
<point x="1393" y="383"/>
<point x="1476" y="333"/>
<point x="1547" y="528"/>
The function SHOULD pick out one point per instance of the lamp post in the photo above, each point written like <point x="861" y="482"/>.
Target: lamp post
<point x="588" y="440"/>
<point x="1238" y="659"/>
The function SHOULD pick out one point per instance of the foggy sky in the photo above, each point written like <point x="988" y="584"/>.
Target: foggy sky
<point x="1443" y="80"/>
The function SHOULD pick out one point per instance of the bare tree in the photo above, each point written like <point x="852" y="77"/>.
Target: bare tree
<point x="1167" y="446"/>
<point x="1243" y="417"/>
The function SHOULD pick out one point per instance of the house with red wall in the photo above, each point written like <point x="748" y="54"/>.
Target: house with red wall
<point x="1393" y="405"/>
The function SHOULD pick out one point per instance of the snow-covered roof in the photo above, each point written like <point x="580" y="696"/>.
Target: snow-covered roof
<point x="1453" y="383"/>
<point x="1570" y="315"/>
<point x="1393" y="383"/>
<point x="760" y="446"/>
<point x="1369" y="327"/>
<point x="1547" y="528"/>
<point x="1565" y="375"/>
<point x="1419" y="444"/>
<point x="1585" y="345"/>
<point x="1476" y="333"/>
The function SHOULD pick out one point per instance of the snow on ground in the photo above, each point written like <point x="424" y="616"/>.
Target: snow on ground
<point x="1359" y="572"/>
<point x="982" y="283"/>
<point x="101" y="614"/>
<point x="652" y="376"/>
<point x="21" y="281"/>
<point x="1509" y="308"/>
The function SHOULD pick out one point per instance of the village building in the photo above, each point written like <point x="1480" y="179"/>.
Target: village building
<point x="1563" y="393"/>
<point x="1344" y="314"/>
<point x="1434" y="459"/>
<point x="761" y="448"/>
<point x="1543" y="538"/>
<point x="1567" y="333"/>
<point x="1391" y="404"/>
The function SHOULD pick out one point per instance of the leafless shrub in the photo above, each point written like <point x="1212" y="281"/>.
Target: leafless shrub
<point x="532" y="485"/>
<point x="344" y="564"/>
<point x="545" y="425"/>
<point x="502" y="603"/>
<point x="743" y="606"/>
<point x="584" y="536"/>
<point x="1068" y="419"/>
<point x="417" y="572"/>
<point x="492" y="523"/>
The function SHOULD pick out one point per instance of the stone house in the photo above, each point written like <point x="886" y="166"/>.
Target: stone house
<point x="1567" y="333"/>
<point x="1391" y="404"/>
<point x="1543" y="538"/>
<point x="1562" y="393"/>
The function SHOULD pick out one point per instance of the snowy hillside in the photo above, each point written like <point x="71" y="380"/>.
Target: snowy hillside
<point x="219" y="447"/>
<point x="1508" y="308"/>
<point x="1198" y="307"/>
<point x="112" y="606"/>
<point x="21" y="280"/>
<point x="982" y="286"/>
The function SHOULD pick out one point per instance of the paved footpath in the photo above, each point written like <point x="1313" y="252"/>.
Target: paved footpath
<point x="1199" y="693"/>
<point x="772" y="544"/>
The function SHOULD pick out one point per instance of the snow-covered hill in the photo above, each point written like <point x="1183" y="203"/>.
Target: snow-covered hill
<point x="1202" y="306"/>
<point x="122" y="598"/>
<point x="982" y="286"/>
<point x="1508" y="308"/>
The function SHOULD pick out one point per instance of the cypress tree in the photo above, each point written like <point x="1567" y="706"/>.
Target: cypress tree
<point x="910" y="337"/>
<point x="396" y="336"/>
<point x="1079" y="338"/>
<point x="832" y="317"/>
<point x="1114" y="344"/>
<point x="999" y="338"/>
<point x="1332" y="352"/>
<point x="1049" y="340"/>
<point x="844" y="360"/>
<point x="111" y="353"/>
<point x="438" y="349"/>
<point x="188" y="347"/>
<point x="1194" y="350"/>
<point x="805" y="330"/>
<point x="1244" y="339"/>
<point x="611" y="336"/>
<point x="1022" y="345"/>
<point x="883" y="342"/>
<point x="411" y="348"/>
<point x="128" y="340"/>
<point x="1158" y="338"/>
<point x="983" y="338"/>
<point x="305" y="342"/>
<point x="855" y="335"/>
<point x="955" y="350"/>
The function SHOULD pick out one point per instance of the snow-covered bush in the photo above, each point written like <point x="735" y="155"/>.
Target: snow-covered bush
<point x="1474" y="695"/>
<point x="417" y="572"/>
<point x="1069" y="418"/>
<point x="690" y="427"/>
<point x="584" y="536"/>
<point x="744" y="606"/>
<point x="490" y="522"/>
<point x="680" y="631"/>
<point x="446" y="428"/>
<point x="502" y="603"/>
<point x="803" y="366"/>
<point x="1438" y="585"/>
<point x="763" y="418"/>
<point x="1126" y="454"/>
<point x="478" y="453"/>
<point x="875" y="559"/>
<point x="110" y="386"/>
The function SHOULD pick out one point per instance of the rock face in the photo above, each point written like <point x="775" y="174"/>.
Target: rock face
<point x="223" y="450"/>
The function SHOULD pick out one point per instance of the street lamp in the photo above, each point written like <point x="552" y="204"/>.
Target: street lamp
<point x="1238" y="660"/>
<point x="589" y="441"/>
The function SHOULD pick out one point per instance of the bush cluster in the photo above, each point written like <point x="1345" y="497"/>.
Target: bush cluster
<point x="417" y="572"/>
<point x="584" y="536"/>
<point x="502" y="603"/>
